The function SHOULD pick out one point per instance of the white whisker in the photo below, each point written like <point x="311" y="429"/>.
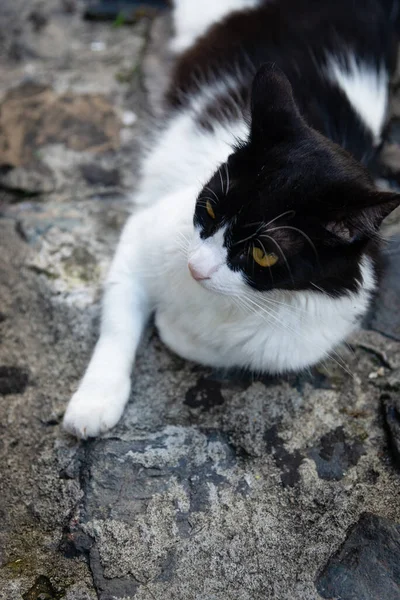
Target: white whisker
<point x="298" y="231"/>
<point x="282" y="253"/>
<point x="206" y="187"/>
<point x="317" y="287"/>
<point x="227" y="179"/>
<point x="207" y="198"/>
<point x="250" y="237"/>
<point x="222" y="182"/>
<point x="265" y="252"/>
<point x="297" y="333"/>
<point x="284" y="214"/>
<point x="261" y="224"/>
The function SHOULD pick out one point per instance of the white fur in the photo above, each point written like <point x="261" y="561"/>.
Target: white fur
<point x="183" y="157"/>
<point x="219" y="321"/>
<point x="366" y="88"/>
<point x="208" y="258"/>
<point x="193" y="19"/>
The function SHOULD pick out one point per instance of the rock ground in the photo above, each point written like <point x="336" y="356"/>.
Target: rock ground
<point x="212" y="487"/>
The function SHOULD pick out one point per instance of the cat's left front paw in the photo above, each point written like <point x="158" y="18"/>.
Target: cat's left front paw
<point x="96" y="409"/>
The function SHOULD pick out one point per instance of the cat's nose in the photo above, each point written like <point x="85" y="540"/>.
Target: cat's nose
<point x="196" y="274"/>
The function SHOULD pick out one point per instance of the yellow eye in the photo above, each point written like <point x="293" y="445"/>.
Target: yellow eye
<point x="210" y="211"/>
<point x="263" y="259"/>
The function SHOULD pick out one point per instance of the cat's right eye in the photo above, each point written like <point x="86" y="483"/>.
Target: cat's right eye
<point x="210" y="210"/>
<point x="264" y="259"/>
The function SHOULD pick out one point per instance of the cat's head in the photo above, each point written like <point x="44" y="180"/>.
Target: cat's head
<point x="288" y="210"/>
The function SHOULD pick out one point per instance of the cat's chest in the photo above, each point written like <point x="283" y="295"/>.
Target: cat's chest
<point x="212" y="330"/>
<point x="213" y="334"/>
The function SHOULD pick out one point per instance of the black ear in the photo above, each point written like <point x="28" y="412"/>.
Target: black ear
<point x="364" y="220"/>
<point x="274" y="113"/>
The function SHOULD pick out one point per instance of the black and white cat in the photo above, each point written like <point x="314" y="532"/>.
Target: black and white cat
<point x="256" y="242"/>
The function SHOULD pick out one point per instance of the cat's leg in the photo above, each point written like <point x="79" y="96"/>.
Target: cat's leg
<point x="104" y="390"/>
<point x="192" y="19"/>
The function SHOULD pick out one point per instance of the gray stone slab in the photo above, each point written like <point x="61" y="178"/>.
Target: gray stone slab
<point x="367" y="566"/>
<point x="386" y="316"/>
<point x="391" y="414"/>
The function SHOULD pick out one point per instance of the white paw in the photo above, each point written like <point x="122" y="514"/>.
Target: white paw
<point x="94" y="409"/>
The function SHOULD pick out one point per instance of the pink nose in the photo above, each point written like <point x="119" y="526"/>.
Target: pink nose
<point x="196" y="274"/>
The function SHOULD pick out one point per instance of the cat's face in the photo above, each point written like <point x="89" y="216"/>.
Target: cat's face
<point x="289" y="210"/>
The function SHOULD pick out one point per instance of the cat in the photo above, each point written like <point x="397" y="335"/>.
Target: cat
<point x="256" y="242"/>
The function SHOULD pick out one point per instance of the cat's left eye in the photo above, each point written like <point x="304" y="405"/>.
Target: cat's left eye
<point x="264" y="259"/>
<point x="210" y="210"/>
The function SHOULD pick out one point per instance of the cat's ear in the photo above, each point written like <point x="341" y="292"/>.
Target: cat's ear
<point x="364" y="220"/>
<point x="274" y="113"/>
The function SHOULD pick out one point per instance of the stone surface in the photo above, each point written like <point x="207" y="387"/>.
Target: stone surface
<point x="13" y="380"/>
<point x="387" y="315"/>
<point x="334" y="455"/>
<point x="391" y="414"/>
<point x="367" y="566"/>
<point x="80" y="122"/>
<point x="213" y="486"/>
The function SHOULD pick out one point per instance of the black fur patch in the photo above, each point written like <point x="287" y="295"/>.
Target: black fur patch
<point x="297" y="36"/>
<point x="298" y="187"/>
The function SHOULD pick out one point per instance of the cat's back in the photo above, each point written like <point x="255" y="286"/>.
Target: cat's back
<point x="337" y="54"/>
<point x="289" y="32"/>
